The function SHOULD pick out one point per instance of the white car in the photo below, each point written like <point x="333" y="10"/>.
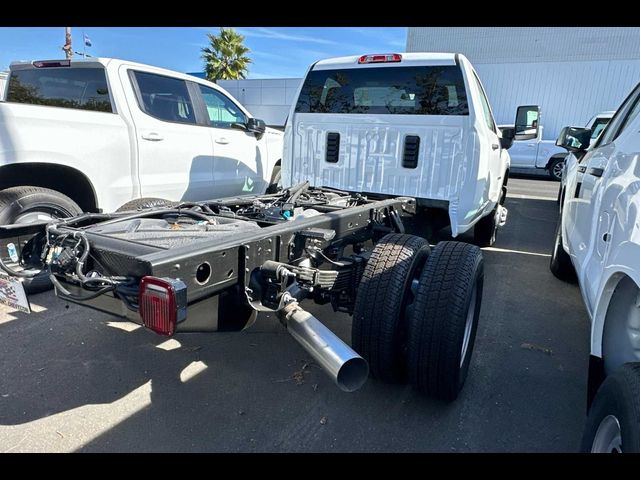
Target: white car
<point x="598" y="235"/>
<point x="90" y="135"/>
<point x="412" y="124"/>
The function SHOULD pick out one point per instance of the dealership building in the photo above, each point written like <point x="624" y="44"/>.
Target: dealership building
<point x="572" y="73"/>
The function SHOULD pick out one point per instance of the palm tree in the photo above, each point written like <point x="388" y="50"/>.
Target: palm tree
<point x="225" y="58"/>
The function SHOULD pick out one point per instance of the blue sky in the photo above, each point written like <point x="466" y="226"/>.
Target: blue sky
<point x="276" y="51"/>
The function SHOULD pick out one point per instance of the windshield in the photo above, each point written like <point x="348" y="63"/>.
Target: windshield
<point x="425" y="90"/>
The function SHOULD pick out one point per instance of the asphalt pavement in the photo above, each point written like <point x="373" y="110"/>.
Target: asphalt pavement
<point x="73" y="379"/>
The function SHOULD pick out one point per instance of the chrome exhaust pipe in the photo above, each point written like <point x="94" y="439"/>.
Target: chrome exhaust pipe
<point x="348" y="370"/>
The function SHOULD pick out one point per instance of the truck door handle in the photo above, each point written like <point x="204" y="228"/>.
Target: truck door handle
<point x="595" y="171"/>
<point x="222" y="141"/>
<point x="152" y="136"/>
<point x="495" y="146"/>
<point x="582" y="168"/>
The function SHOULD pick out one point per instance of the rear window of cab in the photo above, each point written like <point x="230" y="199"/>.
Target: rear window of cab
<point x="421" y="90"/>
<point x="78" y="88"/>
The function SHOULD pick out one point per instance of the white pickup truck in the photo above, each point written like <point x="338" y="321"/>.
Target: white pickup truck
<point x="598" y="240"/>
<point x="91" y="135"/>
<point x="413" y="124"/>
<point x="536" y="153"/>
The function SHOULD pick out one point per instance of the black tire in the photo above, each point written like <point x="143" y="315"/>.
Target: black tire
<point x="555" y="168"/>
<point x="276" y="180"/>
<point x="16" y="202"/>
<point x="439" y="322"/>
<point x="144" y="203"/>
<point x="617" y="397"/>
<point x="378" y="331"/>
<point x="486" y="230"/>
<point x="560" y="264"/>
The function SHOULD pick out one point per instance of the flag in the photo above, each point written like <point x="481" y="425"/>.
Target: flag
<point x="87" y="40"/>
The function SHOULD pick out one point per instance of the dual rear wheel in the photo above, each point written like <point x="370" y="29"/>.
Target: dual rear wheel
<point x="416" y="313"/>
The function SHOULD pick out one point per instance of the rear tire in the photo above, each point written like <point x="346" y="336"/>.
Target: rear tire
<point x="379" y="321"/>
<point x="144" y="203"/>
<point x="443" y="324"/>
<point x="560" y="264"/>
<point x="613" y="423"/>
<point x="27" y="204"/>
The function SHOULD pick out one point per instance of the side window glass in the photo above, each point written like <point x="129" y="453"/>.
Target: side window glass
<point x="488" y="118"/>
<point x="222" y="111"/>
<point x="165" y="98"/>
<point x="598" y="127"/>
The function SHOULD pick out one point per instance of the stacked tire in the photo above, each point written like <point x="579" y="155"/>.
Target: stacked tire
<point x="416" y="313"/>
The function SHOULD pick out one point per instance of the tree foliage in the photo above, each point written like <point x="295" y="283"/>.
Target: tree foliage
<point x="226" y="56"/>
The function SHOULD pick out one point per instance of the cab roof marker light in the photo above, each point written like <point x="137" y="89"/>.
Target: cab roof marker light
<point x="380" y="58"/>
<point x="51" y="63"/>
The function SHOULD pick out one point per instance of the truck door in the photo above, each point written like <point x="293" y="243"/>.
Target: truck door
<point x="175" y="154"/>
<point x="524" y="150"/>
<point x="239" y="157"/>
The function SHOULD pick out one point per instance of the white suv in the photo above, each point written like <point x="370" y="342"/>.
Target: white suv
<point x="599" y="234"/>
<point x="411" y="124"/>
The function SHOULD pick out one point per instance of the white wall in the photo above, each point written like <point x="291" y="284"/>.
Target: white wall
<point x="269" y="99"/>
<point x="528" y="44"/>
<point x="572" y="73"/>
<point x="569" y="93"/>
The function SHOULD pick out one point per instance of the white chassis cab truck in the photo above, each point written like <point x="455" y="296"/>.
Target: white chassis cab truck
<point x="598" y="240"/>
<point x="413" y="124"/>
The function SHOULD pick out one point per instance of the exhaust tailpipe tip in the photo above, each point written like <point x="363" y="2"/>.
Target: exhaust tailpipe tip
<point x="352" y="375"/>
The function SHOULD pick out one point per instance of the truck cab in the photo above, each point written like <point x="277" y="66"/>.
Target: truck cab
<point x="413" y="124"/>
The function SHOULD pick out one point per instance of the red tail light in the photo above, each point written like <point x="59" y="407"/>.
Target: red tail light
<point x="380" y="58"/>
<point x="162" y="304"/>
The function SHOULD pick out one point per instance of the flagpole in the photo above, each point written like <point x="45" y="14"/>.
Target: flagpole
<point x="68" y="49"/>
<point x="84" y="45"/>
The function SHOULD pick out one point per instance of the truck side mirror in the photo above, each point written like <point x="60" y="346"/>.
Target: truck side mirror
<point x="508" y="134"/>
<point x="574" y="139"/>
<point x="527" y="122"/>
<point x="256" y="126"/>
